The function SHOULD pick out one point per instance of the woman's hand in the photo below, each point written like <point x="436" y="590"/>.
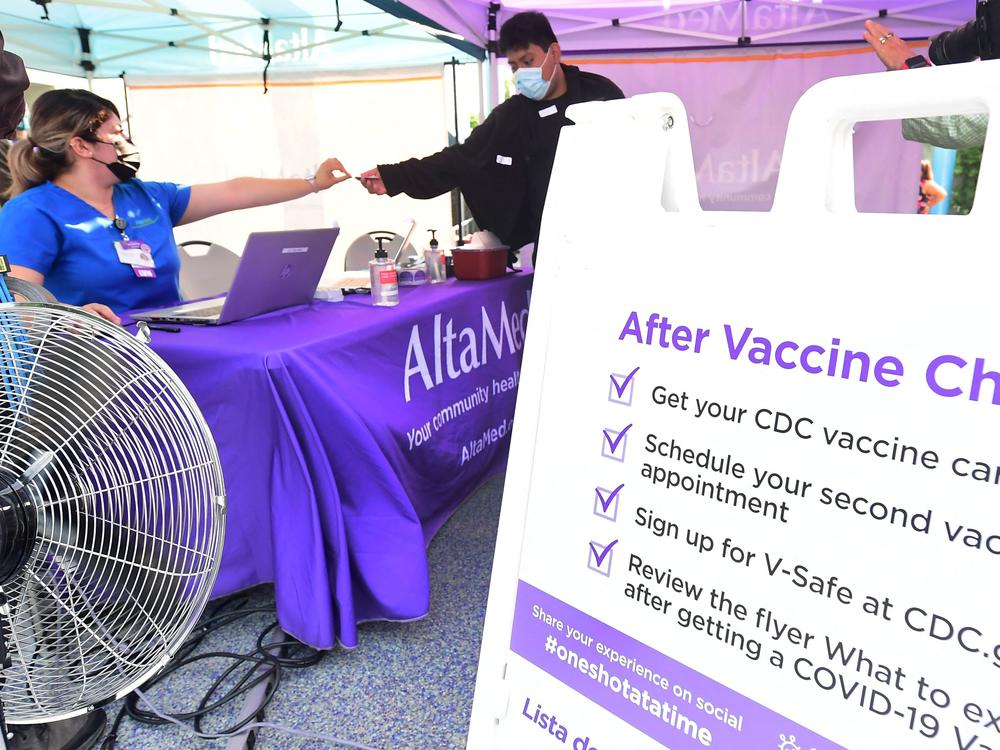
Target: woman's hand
<point x="326" y="175"/>
<point x="101" y="311"/>
<point x="891" y="50"/>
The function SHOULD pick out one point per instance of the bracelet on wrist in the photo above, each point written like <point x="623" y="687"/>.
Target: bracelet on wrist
<point x="917" y="61"/>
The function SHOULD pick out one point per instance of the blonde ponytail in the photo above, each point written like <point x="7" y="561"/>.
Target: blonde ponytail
<point x="29" y="166"/>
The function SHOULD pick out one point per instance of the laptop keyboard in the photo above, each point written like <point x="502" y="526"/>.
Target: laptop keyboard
<point x="201" y="312"/>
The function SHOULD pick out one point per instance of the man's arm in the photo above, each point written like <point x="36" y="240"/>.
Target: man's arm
<point x="949" y="131"/>
<point x="436" y="174"/>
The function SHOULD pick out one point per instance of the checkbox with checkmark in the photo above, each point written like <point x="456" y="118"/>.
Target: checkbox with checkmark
<point x="606" y="502"/>
<point x="621" y="388"/>
<point x="599" y="557"/>
<point x="613" y="443"/>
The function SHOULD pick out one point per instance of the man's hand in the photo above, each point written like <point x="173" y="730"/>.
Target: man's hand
<point x="372" y="182"/>
<point x="891" y="50"/>
<point x="326" y="175"/>
<point x="101" y="311"/>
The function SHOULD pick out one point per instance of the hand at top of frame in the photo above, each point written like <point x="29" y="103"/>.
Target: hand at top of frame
<point x="891" y="50"/>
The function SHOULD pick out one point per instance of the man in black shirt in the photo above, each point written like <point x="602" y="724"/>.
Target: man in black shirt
<point x="503" y="168"/>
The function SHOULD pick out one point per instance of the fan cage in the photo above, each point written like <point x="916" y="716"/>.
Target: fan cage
<point x="124" y="481"/>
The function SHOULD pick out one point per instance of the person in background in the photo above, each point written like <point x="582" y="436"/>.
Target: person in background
<point x="4" y="170"/>
<point x="930" y="193"/>
<point x="503" y="167"/>
<point x="950" y="131"/>
<point x="13" y="83"/>
<point x="80" y="223"/>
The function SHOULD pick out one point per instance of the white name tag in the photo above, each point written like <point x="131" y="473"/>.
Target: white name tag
<point x="505" y="160"/>
<point x="548" y="111"/>
<point x="134" y="253"/>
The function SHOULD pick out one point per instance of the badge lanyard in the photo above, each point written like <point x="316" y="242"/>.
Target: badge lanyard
<point x="134" y="253"/>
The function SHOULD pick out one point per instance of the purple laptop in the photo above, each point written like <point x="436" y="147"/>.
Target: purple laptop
<point x="276" y="270"/>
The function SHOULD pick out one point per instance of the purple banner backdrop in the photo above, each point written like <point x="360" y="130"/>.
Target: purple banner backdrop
<point x="348" y="435"/>
<point x="739" y="104"/>
<point x="675" y="705"/>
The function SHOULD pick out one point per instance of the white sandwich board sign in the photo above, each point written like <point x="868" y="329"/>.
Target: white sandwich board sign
<point x="754" y="481"/>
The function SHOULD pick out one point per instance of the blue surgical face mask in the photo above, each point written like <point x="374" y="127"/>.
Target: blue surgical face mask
<point x="530" y="83"/>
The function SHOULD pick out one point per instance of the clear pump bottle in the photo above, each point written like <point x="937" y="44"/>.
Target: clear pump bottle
<point x="434" y="259"/>
<point x="384" y="281"/>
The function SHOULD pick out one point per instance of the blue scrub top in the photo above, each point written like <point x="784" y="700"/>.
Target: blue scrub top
<point x="71" y="243"/>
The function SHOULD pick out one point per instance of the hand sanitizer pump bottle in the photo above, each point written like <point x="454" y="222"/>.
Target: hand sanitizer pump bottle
<point x="385" y="283"/>
<point x="434" y="259"/>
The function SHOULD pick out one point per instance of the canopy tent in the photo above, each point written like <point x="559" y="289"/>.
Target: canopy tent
<point x="638" y="25"/>
<point x="235" y="37"/>
<point x="223" y="38"/>
<point x="739" y="65"/>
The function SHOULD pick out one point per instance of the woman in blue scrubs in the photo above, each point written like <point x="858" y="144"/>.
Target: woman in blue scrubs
<point x="80" y="223"/>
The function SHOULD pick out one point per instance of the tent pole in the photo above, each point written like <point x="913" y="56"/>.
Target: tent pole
<point x="85" y="60"/>
<point x="128" y="116"/>
<point x="482" y="95"/>
<point x="458" y="138"/>
<point x="491" y="51"/>
<point x="493" y="81"/>
<point x="491" y="84"/>
<point x="457" y="199"/>
<point x="454" y="94"/>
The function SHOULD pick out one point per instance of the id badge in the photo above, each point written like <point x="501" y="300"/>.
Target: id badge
<point x="139" y="256"/>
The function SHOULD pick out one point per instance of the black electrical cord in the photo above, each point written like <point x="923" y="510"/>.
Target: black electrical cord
<point x="265" y="662"/>
<point x="312" y="656"/>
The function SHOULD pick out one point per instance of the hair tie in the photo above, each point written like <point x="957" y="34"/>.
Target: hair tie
<point x="34" y="146"/>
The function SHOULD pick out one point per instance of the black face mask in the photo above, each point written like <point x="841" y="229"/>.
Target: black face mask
<point x="127" y="164"/>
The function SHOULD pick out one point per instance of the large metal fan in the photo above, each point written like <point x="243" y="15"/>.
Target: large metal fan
<point x="112" y="512"/>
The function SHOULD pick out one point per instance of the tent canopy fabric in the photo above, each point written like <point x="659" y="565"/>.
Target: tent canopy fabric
<point x="223" y="38"/>
<point x="636" y="25"/>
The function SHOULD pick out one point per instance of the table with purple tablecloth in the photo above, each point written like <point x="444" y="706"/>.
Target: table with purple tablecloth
<point x="348" y="435"/>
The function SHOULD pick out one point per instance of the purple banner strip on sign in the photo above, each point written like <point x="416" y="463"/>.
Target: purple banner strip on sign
<point x="673" y="704"/>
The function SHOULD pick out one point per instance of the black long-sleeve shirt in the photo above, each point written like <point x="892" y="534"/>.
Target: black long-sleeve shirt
<point x="503" y="168"/>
